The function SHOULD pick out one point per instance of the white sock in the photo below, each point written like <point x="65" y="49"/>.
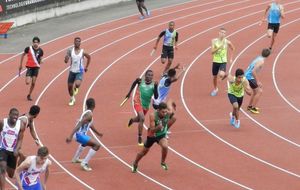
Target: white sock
<point x="78" y="152"/>
<point x="89" y="156"/>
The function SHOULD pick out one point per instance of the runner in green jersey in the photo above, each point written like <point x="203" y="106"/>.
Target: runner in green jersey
<point x="160" y="121"/>
<point x="236" y="87"/>
<point x="219" y="50"/>
<point x="145" y="90"/>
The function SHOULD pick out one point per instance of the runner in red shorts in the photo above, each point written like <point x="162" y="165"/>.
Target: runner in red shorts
<point x="146" y="89"/>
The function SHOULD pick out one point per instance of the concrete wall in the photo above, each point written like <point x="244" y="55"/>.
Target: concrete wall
<point x="59" y="11"/>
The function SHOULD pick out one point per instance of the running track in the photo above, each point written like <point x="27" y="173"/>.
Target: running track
<point x="206" y="152"/>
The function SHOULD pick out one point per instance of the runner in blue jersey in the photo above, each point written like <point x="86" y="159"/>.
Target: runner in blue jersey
<point x="251" y="75"/>
<point x="80" y="134"/>
<point x="273" y="14"/>
<point x="170" y="41"/>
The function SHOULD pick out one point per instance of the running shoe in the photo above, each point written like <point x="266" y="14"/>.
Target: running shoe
<point x="85" y="167"/>
<point x="140" y="141"/>
<point x="130" y="122"/>
<point x="164" y="166"/>
<point x="142" y="17"/>
<point x="148" y="13"/>
<point x="29" y="98"/>
<point x="72" y="101"/>
<point x="134" y="168"/>
<point x="214" y="92"/>
<point x="254" y="110"/>
<point x="76" y="160"/>
<point x="232" y="119"/>
<point x="75" y="91"/>
<point x="237" y="124"/>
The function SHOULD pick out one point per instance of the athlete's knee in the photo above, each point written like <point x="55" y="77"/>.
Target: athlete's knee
<point x="141" y="118"/>
<point x="96" y="147"/>
<point x="235" y="106"/>
<point x="11" y="173"/>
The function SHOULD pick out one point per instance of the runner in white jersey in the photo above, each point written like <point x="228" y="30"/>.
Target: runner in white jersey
<point x="80" y="134"/>
<point x="28" y="174"/>
<point x="11" y="131"/>
<point x="76" y="68"/>
<point x="164" y="87"/>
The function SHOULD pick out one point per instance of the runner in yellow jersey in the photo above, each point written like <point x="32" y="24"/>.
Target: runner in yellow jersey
<point x="236" y="87"/>
<point x="219" y="50"/>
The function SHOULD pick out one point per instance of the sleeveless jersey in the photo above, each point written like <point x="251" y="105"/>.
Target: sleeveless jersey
<point x="163" y="122"/>
<point x="274" y="13"/>
<point x="76" y="61"/>
<point x="32" y="175"/>
<point x="32" y="58"/>
<point x="220" y="56"/>
<point x="169" y="38"/>
<point x="249" y="70"/>
<point x="144" y="94"/>
<point x="236" y="89"/>
<point x="9" y="135"/>
<point x="163" y="90"/>
<point x="84" y="128"/>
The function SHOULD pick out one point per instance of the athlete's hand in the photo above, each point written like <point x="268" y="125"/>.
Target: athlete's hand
<point x="20" y="69"/>
<point x="100" y="135"/>
<point x="68" y="140"/>
<point x="85" y="69"/>
<point x="259" y="84"/>
<point x="176" y="48"/>
<point x="155" y="47"/>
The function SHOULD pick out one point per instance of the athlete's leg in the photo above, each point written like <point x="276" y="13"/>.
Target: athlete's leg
<point x="256" y="96"/>
<point x="94" y="148"/>
<point x="170" y="60"/>
<point x="33" y="80"/>
<point x="140" y="155"/>
<point x="78" y="152"/>
<point x="270" y="33"/>
<point x="2" y="174"/>
<point x="273" y="40"/>
<point x="164" y="149"/>
<point x="139" y="6"/>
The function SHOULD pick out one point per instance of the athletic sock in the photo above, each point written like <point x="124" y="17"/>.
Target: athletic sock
<point x="78" y="152"/>
<point x="89" y="156"/>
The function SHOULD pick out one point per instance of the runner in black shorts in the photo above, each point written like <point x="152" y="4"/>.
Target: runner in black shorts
<point x="170" y="40"/>
<point x="11" y="131"/>
<point x="34" y="59"/>
<point x="160" y="122"/>
<point x="273" y="14"/>
<point x="141" y="5"/>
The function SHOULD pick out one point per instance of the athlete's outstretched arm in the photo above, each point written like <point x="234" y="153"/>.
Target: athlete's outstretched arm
<point x="137" y="81"/>
<point x="155" y="90"/>
<point x="266" y="11"/>
<point x="68" y="55"/>
<point x="21" y="62"/>
<point x="47" y="173"/>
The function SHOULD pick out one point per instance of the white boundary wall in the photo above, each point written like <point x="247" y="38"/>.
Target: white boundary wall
<point x="59" y="11"/>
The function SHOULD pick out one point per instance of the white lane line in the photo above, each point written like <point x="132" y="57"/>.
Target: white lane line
<point x="84" y="29"/>
<point x="213" y="134"/>
<point x="274" y="77"/>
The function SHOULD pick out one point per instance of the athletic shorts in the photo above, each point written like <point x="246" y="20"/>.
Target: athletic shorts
<point x="74" y="76"/>
<point x="216" y="67"/>
<point x="37" y="186"/>
<point x="82" y="138"/>
<point x="233" y="99"/>
<point x="274" y="26"/>
<point x="167" y="52"/>
<point x="9" y="158"/>
<point x="139" y="108"/>
<point x="151" y="140"/>
<point x="253" y="84"/>
<point x="32" y="71"/>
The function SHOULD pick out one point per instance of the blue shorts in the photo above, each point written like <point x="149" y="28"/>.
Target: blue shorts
<point x="82" y="138"/>
<point x="74" y="76"/>
<point x="37" y="186"/>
